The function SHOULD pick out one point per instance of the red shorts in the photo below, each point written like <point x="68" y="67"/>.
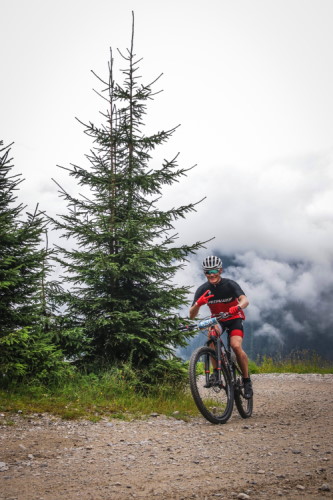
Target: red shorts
<point x="233" y="327"/>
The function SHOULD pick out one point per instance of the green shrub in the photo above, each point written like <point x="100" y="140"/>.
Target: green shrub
<point x="28" y="356"/>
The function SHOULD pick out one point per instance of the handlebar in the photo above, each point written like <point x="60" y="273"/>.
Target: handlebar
<point x="205" y="323"/>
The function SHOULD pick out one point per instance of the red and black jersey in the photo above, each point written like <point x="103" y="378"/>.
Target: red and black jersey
<point x="226" y="293"/>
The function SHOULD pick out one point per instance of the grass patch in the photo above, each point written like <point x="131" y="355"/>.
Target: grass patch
<point x="110" y="394"/>
<point x="297" y="362"/>
<point x="122" y="394"/>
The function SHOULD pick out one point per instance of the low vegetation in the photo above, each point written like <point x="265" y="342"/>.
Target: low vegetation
<point x="119" y="393"/>
<point x="296" y="362"/>
<point x="127" y="394"/>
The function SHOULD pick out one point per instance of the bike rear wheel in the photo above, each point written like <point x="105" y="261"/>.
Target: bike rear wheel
<point x="215" y="402"/>
<point x="243" y="405"/>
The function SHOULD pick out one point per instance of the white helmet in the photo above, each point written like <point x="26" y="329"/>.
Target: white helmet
<point x="212" y="262"/>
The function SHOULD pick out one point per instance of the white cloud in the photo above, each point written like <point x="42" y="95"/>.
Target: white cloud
<point x="292" y="323"/>
<point x="268" y="330"/>
<point x="267" y="209"/>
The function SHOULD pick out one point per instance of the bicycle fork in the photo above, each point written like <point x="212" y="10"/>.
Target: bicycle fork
<point x="221" y="357"/>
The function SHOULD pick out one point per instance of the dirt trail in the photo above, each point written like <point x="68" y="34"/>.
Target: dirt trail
<point x="283" y="451"/>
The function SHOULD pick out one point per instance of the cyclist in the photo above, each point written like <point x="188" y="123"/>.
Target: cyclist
<point x="225" y="295"/>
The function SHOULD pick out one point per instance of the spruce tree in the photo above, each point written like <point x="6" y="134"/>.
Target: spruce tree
<point x="125" y="255"/>
<point x="26" y="341"/>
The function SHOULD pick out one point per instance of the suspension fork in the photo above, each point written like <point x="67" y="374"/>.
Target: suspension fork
<point x="220" y="358"/>
<point x="217" y="348"/>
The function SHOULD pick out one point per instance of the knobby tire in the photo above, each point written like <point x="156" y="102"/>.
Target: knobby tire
<point x="244" y="406"/>
<point x="216" y="402"/>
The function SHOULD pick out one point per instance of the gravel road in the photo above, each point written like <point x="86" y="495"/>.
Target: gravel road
<point x="283" y="451"/>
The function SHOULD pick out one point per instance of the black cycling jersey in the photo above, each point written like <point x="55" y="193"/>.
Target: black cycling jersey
<point x="226" y="293"/>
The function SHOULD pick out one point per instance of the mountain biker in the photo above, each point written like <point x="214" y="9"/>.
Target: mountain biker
<point x="225" y="295"/>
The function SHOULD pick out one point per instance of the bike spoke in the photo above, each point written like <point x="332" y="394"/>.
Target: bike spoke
<point x="215" y="401"/>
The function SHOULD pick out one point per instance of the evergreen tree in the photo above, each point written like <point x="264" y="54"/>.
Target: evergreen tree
<point x="125" y="255"/>
<point x="26" y="347"/>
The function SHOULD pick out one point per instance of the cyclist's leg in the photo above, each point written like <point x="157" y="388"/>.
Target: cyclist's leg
<point x="236" y="334"/>
<point x="236" y="341"/>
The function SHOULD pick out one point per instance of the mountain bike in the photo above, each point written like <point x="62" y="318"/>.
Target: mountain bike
<point x="215" y="377"/>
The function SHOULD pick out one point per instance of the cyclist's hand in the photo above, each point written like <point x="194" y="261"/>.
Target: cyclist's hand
<point x="204" y="298"/>
<point x="234" y="310"/>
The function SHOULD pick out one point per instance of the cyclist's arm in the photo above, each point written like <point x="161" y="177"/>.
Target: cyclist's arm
<point x="195" y="306"/>
<point x="243" y="301"/>
<point x="194" y="311"/>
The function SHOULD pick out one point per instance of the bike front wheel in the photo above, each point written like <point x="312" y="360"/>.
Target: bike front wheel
<point x="214" y="399"/>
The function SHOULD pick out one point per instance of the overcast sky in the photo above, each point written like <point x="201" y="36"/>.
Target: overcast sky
<point x="250" y="82"/>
